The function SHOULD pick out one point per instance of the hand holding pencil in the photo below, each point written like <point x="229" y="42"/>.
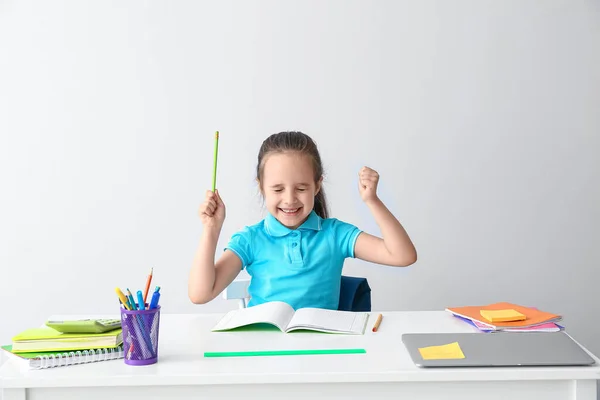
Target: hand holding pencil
<point x="212" y="210"/>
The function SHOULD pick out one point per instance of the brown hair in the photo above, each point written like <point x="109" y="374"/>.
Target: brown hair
<point x="295" y="142"/>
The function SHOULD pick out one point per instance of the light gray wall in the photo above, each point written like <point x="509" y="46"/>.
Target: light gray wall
<point x="481" y="117"/>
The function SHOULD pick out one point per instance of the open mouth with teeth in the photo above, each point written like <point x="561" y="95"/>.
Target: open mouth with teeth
<point x="290" y="211"/>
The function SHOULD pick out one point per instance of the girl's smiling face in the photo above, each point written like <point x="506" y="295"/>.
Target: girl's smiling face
<point x="289" y="188"/>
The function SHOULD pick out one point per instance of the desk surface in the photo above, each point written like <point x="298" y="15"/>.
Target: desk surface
<point x="183" y="339"/>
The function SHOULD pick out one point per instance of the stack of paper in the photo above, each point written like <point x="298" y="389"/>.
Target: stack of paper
<point x="507" y="317"/>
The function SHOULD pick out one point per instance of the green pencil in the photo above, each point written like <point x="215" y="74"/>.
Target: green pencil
<point x="282" y="352"/>
<point x="214" y="177"/>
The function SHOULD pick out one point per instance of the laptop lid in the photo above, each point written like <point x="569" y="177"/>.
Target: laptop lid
<point x="500" y="349"/>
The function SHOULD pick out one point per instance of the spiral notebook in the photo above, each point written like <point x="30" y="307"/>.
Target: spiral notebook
<point x="63" y="358"/>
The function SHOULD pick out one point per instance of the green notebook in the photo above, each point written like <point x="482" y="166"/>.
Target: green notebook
<point x="48" y="339"/>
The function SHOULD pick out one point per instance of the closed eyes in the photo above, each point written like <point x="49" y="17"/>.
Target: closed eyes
<point x="279" y="190"/>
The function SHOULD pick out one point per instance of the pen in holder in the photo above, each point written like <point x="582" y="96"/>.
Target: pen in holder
<point x="140" y="335"/>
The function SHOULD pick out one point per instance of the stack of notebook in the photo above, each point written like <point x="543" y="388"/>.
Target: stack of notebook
<point x="507" y="317"/>
<point x="45" y="347"/>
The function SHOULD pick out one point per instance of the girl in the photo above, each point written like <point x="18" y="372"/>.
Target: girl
<point x="297" y="252"/>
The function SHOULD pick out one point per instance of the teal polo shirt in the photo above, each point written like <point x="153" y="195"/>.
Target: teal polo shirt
<point x="302" y="267"/>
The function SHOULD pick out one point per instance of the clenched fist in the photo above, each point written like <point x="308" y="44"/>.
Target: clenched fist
<point x="367" y="184"/>
<point x="212" y="210"/>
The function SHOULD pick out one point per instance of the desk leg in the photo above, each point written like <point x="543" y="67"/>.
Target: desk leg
<point x="583" y="389"/>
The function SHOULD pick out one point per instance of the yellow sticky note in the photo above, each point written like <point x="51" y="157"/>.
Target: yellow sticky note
<point x="502" y="315"/>
<point x="443" y="352"/>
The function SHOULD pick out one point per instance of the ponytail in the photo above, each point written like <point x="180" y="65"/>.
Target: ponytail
<point x="321" y="205"/>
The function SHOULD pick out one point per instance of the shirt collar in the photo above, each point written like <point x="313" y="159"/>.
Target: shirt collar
<point x="277" y="229"/>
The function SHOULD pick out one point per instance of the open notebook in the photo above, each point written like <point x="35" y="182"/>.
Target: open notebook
<point x="43" y="360"/>
<point x="283" y="316"/>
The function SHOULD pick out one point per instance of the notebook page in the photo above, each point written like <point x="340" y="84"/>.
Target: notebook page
<point x="275" y="312"/>
<point x="329" y="320"/>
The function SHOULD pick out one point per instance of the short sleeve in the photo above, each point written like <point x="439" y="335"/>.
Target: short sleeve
<point x="345" y="237"/>
<point x="241" y="244"/>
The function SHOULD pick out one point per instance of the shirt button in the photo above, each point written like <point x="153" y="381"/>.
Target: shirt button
<point x="294" y="244"/>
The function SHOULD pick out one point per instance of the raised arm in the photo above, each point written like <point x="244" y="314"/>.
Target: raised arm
<point x="395" y="247"/>
<point x="207" y="279"/>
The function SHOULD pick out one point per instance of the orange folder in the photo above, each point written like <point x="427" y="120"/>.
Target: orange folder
<point x="532" y="315"/>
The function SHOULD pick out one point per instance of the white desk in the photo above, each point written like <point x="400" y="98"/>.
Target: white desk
<point x="385" y="371"/>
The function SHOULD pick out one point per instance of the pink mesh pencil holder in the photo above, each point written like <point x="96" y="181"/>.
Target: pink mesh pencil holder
<point x="140" y="335"/>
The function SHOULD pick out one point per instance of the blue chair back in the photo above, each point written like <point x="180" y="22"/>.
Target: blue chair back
<point x="355" y="294"/>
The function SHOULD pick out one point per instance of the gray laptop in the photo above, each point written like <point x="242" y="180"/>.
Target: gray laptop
<point x="501" y="349"/>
